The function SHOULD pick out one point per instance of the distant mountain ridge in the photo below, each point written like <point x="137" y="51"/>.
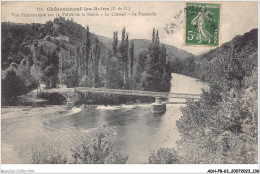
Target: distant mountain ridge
<point x="20" y="36"/>
<point x="142" y="44"/>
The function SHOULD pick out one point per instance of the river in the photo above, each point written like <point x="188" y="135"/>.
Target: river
<point x="135" y="130"/>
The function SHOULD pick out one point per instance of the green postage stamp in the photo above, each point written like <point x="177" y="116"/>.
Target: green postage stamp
<point x="202" y="24"/>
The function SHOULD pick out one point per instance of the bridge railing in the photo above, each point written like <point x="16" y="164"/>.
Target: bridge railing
<point x="137" y="93"/>
<point x="125" y="92"/>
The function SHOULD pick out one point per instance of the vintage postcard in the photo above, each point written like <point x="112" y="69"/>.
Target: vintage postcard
<point x="129" y="82"/>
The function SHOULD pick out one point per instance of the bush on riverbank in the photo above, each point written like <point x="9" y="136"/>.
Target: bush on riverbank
<point x="165" y="156"/>
<point x="100" y="151"/>
<point x="16" y="80"/>
<point x="46" y="154"/>
<point x="53" y="98"/>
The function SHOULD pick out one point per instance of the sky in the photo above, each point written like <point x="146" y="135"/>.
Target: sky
<point x="236" y="18"/>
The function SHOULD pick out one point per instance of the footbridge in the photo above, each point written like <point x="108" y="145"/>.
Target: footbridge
<point x="136" y="93"/>
<point x="158" y="105"/>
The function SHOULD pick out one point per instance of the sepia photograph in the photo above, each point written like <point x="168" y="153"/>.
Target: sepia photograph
<point x="129" y="83"/>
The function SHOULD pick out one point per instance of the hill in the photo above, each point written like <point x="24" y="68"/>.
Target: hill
<point x="242" y="50"/>
<point x="171" y="51"/>
<point x="241" y="43"/>
<point x="142" y="44"/>
<point x="66" y="35"/>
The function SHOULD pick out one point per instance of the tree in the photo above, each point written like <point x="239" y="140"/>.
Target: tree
<point x="85" y="52"/>
<point x="123" y="51"/>
<point x="157" y="75"/>
<point x="87" y="46"/>
<point x="61" y="67"/>
<point x="26" y="76"/>
<point x="99" y="152"/>
<point x="118" y="63"/>
<point x="114" y="43"/>
<point x="50" y="75"/>
<point x="77" y="56"/>
<point x="95" y="63"/>
<point x="12" y="86"/>
<point x="37" y="67"/>
<point x="114" y="79"/>
<point x="29" y="60"/>
<point x="131" y="63"/>
<point x="51" y="70"/>
<point x="140" y="67"/>
<point x="165" y="156"/>
<point x="70" y="77"/>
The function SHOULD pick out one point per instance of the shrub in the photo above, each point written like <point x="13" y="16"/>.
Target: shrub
<point x="99" y="152"/>
<point x="46" y="154"/>
<point x="12" y="86"/>
<point x="165" y="156"/>
<point x="53" y="98"/>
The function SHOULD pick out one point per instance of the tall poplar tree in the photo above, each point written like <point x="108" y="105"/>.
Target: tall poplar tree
<point x="124" y="56"/>
<point x="87" y="49"/>
<point x="78" y="62"/>
<point x="156" y="76"/>
<point x="95" y="62"/>
<point x="114" y="43"/>
<point x="131" y="63"/>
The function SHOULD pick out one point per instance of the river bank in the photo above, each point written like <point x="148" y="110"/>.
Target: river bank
<point x="12" y="112"/>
